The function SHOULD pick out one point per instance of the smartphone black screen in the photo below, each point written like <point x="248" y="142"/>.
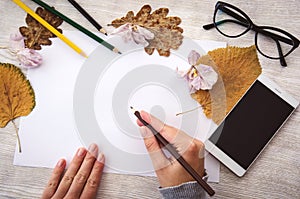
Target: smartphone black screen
<point x="251" y="124"/>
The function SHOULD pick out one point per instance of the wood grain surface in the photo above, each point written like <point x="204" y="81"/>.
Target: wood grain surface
<point x="276" y="173"/>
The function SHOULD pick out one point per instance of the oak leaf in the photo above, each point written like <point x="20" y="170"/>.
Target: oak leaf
<point x="167" y="33"/>
<point x="16" y="95"/>
<point x="36" y="34"/>
<point x="237" y="68"/>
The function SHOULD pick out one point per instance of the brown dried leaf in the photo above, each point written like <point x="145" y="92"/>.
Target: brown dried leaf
<point x="238" y="68"/>
<point x="36" y="34"/>
<point x="16" y="95"/>
<point x="167" y="33"/>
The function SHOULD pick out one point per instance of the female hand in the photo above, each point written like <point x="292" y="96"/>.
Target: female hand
<point x="82" y="178"/>
<point x="168" y="170"/>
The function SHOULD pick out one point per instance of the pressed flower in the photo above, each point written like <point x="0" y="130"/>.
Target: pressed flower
<point x="135" y="33"/>
<point x="16" y="42"/>
<point x="207" y="75"/>
<point x="29" y="58"/>
<point x="198" y="76"/>
<point x="193" y="57"/>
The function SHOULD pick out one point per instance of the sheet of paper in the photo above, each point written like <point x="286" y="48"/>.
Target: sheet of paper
<point x="49" y="132"/>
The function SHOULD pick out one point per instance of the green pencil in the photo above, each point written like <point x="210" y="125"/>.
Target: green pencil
<point x="76" y="25"/>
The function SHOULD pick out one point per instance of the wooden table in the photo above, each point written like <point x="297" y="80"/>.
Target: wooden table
<point x="276" y="173"/>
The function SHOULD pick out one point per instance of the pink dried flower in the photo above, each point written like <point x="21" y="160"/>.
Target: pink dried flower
<point x="16" y="42"/>
<point x="29" y="58"/>
<point x="193" y="57"/>
<point x="198" y="76"/>
<point x="134" y="33"/>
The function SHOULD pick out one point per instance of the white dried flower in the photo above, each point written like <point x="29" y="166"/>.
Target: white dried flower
<point x="134" y="33"/>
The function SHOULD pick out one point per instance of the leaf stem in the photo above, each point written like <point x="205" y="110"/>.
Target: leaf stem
<point x="17" y="133"/>
<point x="184" y="112"/>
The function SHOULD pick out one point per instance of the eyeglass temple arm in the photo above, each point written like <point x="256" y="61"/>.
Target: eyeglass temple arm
<point x="281" y="56"/>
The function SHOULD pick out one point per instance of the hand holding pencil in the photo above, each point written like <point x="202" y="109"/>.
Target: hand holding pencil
<point x="169" y="171"/>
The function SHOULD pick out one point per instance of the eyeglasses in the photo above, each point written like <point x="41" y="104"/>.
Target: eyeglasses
<point x="232" y="22"/>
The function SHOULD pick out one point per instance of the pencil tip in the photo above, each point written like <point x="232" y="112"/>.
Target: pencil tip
<point x="102" y="30"/>
<point x="133" y="110"/>
<point x="83" y="54"/>
<point x="116" y="51"/>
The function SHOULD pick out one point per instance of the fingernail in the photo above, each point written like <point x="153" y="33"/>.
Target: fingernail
<point x="60" y="163"/>
<point x="92" y="148"/>
<point x="81" y="152"/>
<point x="100" y="158"/>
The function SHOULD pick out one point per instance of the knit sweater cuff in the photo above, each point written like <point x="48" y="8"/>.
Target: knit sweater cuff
<point x="188" y="190"/>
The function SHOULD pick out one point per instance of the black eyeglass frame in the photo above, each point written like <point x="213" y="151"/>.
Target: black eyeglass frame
<point x="244" y="20"/>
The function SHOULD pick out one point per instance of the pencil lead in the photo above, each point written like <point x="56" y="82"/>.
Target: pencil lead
<point x="102" y="30"/>
<point x="133" y="110"/>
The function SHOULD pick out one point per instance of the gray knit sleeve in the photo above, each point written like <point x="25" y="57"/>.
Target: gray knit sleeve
<point x="188" y="190"/>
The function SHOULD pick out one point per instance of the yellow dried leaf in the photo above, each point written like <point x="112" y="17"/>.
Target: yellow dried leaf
<point x="16" y="94"/>
<point x="167" y="33"/>
<point x="238" y="68"/>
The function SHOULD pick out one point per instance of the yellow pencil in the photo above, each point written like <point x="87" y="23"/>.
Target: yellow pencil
<point x="49" y="27"/>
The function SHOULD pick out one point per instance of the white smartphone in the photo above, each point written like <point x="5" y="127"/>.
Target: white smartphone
<point x="250" y="125"/>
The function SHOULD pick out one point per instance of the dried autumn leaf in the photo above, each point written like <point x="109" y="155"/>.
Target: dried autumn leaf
<point x="16" y="95"/>
<point x="36" y="34"/>
<point x="168" y="35"/>
<point x="238" y="68"/>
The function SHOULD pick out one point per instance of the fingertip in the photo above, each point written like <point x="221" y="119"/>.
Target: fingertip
<point x="61" y="163"/>
<point x="81" y="152"/>
<point x="139" y="123"/>
<point x="145" y="116"/>
<point x="93" y="149"/>
<point x="101" y="158"/>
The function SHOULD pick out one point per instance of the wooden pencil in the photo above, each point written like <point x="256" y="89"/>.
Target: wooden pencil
<point x="76" y="25"/>
<point x="49" y="27"/>
<point x="173" y="151"/>
<point x="88" y="17"/>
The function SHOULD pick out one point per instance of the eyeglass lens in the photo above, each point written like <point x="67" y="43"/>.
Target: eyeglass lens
<point x="233" y="23"/>
<point x="230" y="22"/>
<point x="272" y="47"/>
